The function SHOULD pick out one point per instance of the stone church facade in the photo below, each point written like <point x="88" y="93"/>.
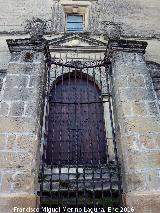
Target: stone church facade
<point x="36" y="42"/>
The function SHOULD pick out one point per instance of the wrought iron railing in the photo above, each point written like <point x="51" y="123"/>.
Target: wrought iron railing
<point x="76" y="167"/>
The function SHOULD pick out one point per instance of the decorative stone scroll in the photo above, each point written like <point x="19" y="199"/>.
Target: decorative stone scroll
<point x="111" y="30"/>
<point x="36" y="28"/>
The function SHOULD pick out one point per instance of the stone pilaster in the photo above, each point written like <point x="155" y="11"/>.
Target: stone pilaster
<point x="20" y="126"/>
<point x="137" y="120"/>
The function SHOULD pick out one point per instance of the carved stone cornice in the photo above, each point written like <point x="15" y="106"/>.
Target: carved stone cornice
<point x="19" y="45"/>
<point x="127" y="46"/>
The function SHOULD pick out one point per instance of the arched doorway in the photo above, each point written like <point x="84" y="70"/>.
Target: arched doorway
<point x="76" y="129"/>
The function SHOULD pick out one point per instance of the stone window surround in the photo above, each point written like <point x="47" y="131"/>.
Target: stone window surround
<point x="77" y="8"/>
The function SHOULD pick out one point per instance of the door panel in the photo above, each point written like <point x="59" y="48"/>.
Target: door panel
<point x="76" y="130"/>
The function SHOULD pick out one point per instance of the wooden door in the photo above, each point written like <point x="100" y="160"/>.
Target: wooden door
<point x="76" y="130"/>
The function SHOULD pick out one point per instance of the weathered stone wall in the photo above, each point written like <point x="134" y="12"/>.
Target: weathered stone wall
<point x="20" y="127"/>
<point x="137" y="17"/>
<point x="14" y="14"/>
<point x="137" y="120"/>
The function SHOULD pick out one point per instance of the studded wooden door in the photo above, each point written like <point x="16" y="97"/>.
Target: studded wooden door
<point x="76" y="130"/>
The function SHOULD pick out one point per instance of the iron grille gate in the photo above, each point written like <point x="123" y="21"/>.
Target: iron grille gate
<point x="76" y="169"/>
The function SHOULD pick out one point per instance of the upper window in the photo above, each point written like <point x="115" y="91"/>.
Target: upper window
<point x="74" y="23"/>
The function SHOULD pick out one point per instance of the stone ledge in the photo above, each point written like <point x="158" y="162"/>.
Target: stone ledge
<point x="19" y="45"/>
<point x="143" y="202"/>
<point x="127" y="46"/>
<point x="9" y="201"/>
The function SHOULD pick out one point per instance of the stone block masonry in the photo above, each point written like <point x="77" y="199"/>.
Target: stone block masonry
<point x="20" y="129"/>
<point x="137" y="120"/>
<point x="136" y="115"/>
